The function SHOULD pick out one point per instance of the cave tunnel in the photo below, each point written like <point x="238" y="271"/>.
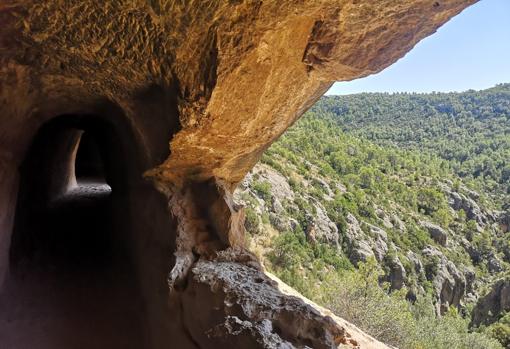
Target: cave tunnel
<point x="72" y="281"/>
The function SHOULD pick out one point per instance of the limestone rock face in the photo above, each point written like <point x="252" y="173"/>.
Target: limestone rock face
<point x="504" y="221"/>
<point x="363" y="246"/>
<point x="490" y="307"/>
<point x="448" y="281"/>
<point x="280" y="188"/>
<point x="321" y="228"/>
<point x="397" y="274"/>
<point x="192" y="93"/>
<point x="458" y="201"/>
<point x="360" y="249"/>
<point x="235" y="300"/>
<point x="436" y="232"/>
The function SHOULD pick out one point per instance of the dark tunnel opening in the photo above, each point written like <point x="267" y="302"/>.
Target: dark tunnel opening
<point x="72" y="282"/>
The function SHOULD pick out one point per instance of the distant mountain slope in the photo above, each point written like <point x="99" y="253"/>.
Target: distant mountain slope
<point x="471" y="130"/>
<point x="348" y="199"/>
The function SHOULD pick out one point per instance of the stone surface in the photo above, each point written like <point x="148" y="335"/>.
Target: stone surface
<point x="360" y="249"/>
<point x="459" y="201"/>
<point x="191" y="93"/>
<point x="320" y="227"/>
<point x="436" y="232"/>
<point x="504" y="222"/>
<point x="397" y="274"/>
<point x="491" y="306"/>
<point x="380" y="241"/>
<point x="231" y="298"/>
<point x="280" y="188"/>
<point x="8" y="188"/>
<point x="240" y="301"/>
<point x="449" y="282"/>
<point x="362" y="245"/>
<point x="415" y="260"/>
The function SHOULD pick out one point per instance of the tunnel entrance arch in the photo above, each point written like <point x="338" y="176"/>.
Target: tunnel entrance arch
<point x="72" y="282"/>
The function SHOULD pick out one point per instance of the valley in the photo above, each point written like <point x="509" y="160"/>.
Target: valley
<point x="393" y="211"/>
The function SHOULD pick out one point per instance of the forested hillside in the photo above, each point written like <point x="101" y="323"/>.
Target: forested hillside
<point x="392" y="210"/>
<point x="470" y="130"/>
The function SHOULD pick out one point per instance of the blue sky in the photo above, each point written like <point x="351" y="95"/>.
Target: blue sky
<point x="471" y="51"/>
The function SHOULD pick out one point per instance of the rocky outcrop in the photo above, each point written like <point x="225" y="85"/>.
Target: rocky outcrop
<point x="397" y="274"/>
<point x="280" y="188"/>
<point x="359" y="249"/>
<point x="320" y="227"/>
<point x="448" y="281"/>
<point x="361" y="245"/>
<point x="494" y="264"/>
<point x="493" y="305"/>
<point x="436" y="232"/>
<point x="416" y="261"/>
<point x="192" y="94"/>
<point x="231" y="297"/>
<point x="504" y="222"/>
<point x="232" y="300"/>
<point x="467" y="203"/>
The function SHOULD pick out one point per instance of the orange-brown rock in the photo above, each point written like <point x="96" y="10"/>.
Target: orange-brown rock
<point x="187" y="94"/>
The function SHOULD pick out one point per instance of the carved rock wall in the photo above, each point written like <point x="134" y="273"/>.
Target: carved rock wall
<point x="195" y="92"/>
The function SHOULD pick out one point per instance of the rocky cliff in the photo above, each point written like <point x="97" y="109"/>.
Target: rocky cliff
<point x="276" y="206"/>
<point x="494" y="304"/>
<point x="188" y="94"/>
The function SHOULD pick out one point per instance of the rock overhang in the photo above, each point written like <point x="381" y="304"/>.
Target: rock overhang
<point x="204" y="87"/>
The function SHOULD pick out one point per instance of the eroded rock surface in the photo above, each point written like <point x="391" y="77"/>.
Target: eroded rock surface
<point x="242" y="306"/>
<point x="218" y="80"/>
<point x="448" y="281"/>
<point x="237" y="301"/>
<point x="494" y="304"/>
<point x="436" y="232"/>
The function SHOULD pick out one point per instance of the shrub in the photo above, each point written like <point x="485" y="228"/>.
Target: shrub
<point x="289" y="251"/>
<point x="430" y="200"/>
<point x="251" y="222"/>
<point x="501" y="330"/>
<point x="357" y="297"/>
<point x="263" y="189"/>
